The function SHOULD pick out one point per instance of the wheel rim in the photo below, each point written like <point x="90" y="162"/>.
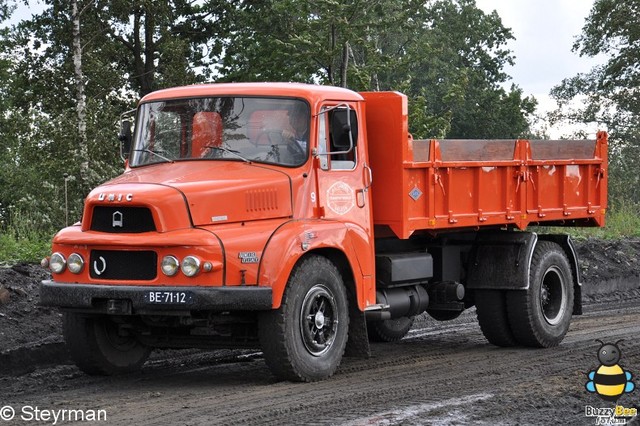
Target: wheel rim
<point x="552" y="296"/>
<point x="318" y="320"/>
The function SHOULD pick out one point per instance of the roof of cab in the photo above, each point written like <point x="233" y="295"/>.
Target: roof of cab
<point x="311" y="92"/>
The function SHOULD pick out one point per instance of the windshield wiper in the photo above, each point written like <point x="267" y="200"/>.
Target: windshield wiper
<point x="230" y="151"/>
<point x="147" y="150"/>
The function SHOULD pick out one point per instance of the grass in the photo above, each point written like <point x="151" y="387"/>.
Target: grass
<point x="30" y="248"/>
<point x="23" y="240"/>
<point x="622" y="221"/>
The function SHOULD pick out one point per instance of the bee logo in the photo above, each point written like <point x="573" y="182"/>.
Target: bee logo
<point x="610" y="380"/>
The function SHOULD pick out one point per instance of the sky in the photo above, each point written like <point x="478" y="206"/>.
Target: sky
<point x="544" y="32"/>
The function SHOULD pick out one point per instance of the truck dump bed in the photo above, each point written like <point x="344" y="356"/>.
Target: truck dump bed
<point x="447" y="184"/>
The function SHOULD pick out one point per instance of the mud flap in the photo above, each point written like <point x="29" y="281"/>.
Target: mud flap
<point x="500" y="261"/>
<point x="358" y="343"/>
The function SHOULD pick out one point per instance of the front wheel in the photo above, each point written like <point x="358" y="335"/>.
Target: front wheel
<point x="98" y="346"/>
<point x="305" y="338"/>
<point x="540" y="315"/>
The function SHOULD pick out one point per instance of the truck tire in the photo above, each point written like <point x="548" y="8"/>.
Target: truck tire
<point x="540" y="316"/>
<point x="491" y="310"/>
<point x="305" y="338"/>
<point x="390" y="330"/>
<point x="97" y="349"/>
<point x="443" y="315"/>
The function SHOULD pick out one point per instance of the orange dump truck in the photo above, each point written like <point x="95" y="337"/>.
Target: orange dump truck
<point x="306" y="220"/>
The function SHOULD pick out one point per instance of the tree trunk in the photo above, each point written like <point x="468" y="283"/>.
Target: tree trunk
<point x="148" y="79"/>
<point x="344" y="66"/>
<point x="82" y="151"/>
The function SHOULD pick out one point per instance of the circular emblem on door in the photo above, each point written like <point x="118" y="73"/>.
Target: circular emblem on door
<point x="340" y="198"/>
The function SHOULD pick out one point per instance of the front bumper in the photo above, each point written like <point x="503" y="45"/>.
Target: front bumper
<point x="97" y="297"/>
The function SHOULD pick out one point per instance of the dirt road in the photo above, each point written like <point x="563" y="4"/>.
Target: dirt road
<point x="441" y="373"/>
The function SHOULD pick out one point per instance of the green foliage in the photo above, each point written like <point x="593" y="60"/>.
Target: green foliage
<point x="29" y="249"/>
<point x="22" y="236"/>
<point x="608" y="94"/>
<point x="447" y="56"/>
<point x="456" y="64"/>
<point x="129" y="49"/>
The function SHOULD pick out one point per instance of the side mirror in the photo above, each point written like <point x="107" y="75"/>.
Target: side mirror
<point x="125" y="138"/>
<point x="343" y="134"/>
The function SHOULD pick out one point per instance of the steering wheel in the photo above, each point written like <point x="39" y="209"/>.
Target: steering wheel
<point x="297" y="152"/>
<point x="267" y="134"/>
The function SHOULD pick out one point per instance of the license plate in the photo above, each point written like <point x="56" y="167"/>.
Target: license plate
<point x="162" y="297"/>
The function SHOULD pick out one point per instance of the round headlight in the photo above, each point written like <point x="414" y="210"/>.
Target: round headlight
<point x="170" y="266"/>
<point x="190" y="266"/>
<point x="57" y="263"/>
<point x="75" y="263"/>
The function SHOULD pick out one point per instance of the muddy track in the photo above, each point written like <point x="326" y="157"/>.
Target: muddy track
<point x="441" y="373"/>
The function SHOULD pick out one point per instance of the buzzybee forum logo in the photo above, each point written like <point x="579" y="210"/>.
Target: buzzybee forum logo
<point x="610" y="381"/>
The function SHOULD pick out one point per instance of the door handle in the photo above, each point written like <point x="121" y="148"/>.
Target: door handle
<point x="368" y="177"/>
<point x="368" y="180"/>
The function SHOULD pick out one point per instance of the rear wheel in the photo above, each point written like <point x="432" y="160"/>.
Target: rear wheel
<point x="98" y="346"/>
<point x="491" y="309"/>
<point x="390" y="330"/>
<point x="305" y="338"/>
<point x="540" y="316"/>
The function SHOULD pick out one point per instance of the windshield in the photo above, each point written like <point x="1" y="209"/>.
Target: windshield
<point x="266" y="130"/>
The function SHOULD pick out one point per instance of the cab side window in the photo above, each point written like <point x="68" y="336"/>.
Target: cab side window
<point x="340" y="127"/>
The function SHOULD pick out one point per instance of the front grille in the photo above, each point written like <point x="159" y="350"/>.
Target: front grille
<point x="117" y="219"/>
<point x="123" y="265"/>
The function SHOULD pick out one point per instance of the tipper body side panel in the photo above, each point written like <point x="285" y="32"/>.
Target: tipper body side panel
<point x="451" y="184"/>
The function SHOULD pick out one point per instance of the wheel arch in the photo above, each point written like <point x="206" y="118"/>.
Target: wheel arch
<point x="291" y="243"/>
<point x="341" y="261"/>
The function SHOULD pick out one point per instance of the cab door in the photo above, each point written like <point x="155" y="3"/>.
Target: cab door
<point x="344" y="178"/>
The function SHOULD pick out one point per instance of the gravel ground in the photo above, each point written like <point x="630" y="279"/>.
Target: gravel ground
<point x="442" y="373"/>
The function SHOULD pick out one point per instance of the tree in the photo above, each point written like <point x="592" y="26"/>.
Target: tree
<point x="73" y="69"/>
<point x="5" y="121"/>
<point x="457" y="65"/>
<point x="446" y="55"/>
<point x="58" y="127"/>
<point x="161" y="44"/>
<point x="608" y="94"/>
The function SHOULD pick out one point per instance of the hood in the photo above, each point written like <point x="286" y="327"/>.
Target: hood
<point x="211" y="192"/>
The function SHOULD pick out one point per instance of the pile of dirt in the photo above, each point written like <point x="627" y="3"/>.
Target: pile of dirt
<point x="22" y="320"/>
<point x="607" y="267"/>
